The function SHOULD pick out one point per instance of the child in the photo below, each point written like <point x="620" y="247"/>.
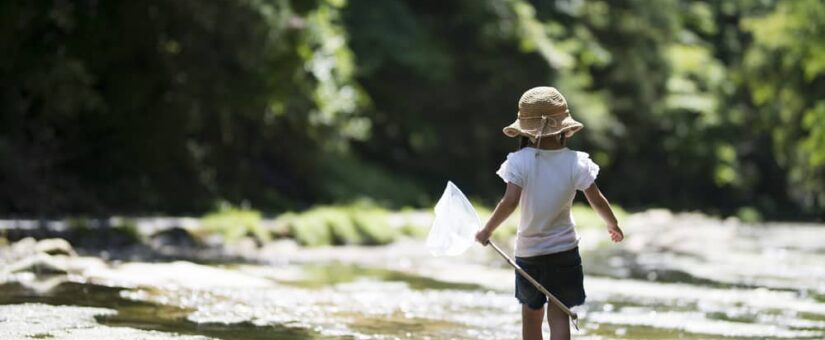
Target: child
<point x="543" y="176"/>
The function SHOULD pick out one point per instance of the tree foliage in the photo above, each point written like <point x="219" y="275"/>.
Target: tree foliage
<point x="176" y="106"/>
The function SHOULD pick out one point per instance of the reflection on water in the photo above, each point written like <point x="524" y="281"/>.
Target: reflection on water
<point x="676" y="276"/>
<point x="360" y="308"/>
<point x="127" y="313"/>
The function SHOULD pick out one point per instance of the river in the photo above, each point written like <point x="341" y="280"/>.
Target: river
<point x="675" y="276"/>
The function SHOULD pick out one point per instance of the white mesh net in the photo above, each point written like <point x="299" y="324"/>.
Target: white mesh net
<point x="455" y="225"/>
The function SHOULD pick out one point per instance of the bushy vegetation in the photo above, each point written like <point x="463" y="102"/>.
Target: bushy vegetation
<point x="506" y="230"/>
<point x="233" y="223"/>
<point x="309" y="229"/>
<point x="373" y="224"/>
<point x="583" y="215"/>
<point x="359" y="224"/>
<point x="341" y="225"/>
<point x="709" y="105"/>
<point x="415" y="223"/>
<point x="748" y="215"/>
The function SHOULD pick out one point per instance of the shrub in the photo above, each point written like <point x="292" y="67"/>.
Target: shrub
<point x="340" y="225"/>
<point x="373" y="224"/>
<point x="414" y="223"/>
<point x="749" y="215"/>
<point x="234" y="223"/>
<point x="310" y="230"/>
<point x="414" y="230"/>
<point x="360" y="223"/>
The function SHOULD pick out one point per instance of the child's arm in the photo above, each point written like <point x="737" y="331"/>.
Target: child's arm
<point x="503" y="210"/>
<point x="602" y="206"/>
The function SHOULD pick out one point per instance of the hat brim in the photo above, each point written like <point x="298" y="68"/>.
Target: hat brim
<point x="530" y="128"/>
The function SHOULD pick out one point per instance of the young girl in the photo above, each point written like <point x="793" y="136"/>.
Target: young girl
<point x="543" y="175"/>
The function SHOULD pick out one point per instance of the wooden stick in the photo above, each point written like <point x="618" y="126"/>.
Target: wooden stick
<point x="538" y="286"/>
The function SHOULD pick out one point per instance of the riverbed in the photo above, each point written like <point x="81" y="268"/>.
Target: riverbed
<point x="675" y="276"/>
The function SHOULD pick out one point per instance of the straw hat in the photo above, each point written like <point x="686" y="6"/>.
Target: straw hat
<point x="542" y="111"/>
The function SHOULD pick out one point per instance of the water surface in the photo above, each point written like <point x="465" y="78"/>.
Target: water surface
<point x="681" y="276"/>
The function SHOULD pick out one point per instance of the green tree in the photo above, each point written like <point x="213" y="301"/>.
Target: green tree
<point x="785" y="72"/>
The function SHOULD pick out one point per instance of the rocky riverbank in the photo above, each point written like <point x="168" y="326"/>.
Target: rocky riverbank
<point x="229" y="236"/>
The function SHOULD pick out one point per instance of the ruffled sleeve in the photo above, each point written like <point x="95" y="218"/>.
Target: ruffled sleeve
<point x="586" y="171"/>
<point x="511" y="171"/>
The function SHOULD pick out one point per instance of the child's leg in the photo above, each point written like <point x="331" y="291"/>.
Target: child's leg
<point x="531" y="322"/>
<point x="559" y="323"/>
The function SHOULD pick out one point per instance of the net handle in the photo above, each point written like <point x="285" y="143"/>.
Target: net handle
<point x="573" y="316"/>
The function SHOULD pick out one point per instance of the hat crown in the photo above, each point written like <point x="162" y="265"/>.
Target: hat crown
<point x="542" y="100"/>
<point x="542" y="112"/>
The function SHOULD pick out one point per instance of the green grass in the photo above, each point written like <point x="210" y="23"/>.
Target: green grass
<point x="338" y="221"/>
<point x="308" y="228"/>
<point x="749" y="215"/>
<point x="373" y="224"/>
<point x="340" y="225"/>
<point x="584" y="216"/>
<point x="234" y="223"/>
<point x="361" y="223"/>
<point x="413" y="224"/>
<point x="414" y="230"/>
<point x="506" y="230"/>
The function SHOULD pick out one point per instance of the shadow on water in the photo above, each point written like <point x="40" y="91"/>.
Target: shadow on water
<point x="142" y="315"/>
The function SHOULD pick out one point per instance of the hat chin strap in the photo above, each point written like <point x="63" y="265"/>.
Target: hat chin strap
<point x="544" y="119"/>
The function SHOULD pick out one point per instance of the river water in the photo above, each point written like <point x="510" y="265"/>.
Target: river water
<point x="675" y="276"/>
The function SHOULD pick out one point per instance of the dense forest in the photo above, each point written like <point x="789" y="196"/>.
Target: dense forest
<point x="170" y="107"/>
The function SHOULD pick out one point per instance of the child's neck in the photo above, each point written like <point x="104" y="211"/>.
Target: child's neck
<point x="548" y="144"/>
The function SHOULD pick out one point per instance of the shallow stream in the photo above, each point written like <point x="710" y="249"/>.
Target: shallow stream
<point x="683" y="276"/>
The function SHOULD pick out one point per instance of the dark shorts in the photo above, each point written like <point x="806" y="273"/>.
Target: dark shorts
<point x="559" y="273"/>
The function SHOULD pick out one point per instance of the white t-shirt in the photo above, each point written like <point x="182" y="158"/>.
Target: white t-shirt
<point x="549" y="182"/>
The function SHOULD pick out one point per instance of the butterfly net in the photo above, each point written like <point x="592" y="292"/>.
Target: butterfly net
<point x="455" y="225"/>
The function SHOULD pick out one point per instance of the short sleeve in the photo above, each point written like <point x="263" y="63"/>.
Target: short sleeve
<point x="586" y="171"/>
<point x="511" y="171"/>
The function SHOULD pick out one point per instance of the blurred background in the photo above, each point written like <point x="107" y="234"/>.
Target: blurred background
<point x="171" y="107"/>
<point x="250" y="169"/>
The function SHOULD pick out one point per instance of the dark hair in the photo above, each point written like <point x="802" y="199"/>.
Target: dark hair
<point x="524" y="141"/>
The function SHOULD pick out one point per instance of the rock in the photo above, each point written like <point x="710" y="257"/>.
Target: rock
<point x="41" y="284"/>
<point x="55" y="246"/>
<point x="175" y="237"/>
<point x="104" y="237"/>
<point x="37" y="263"/>
<point x="39" y="321"/>
<point x="244" y="247"/>
<point x="214" y="240"/>
<point x="28" y="255"/>
<point x="173" y="274"/>
<point x="23" y="247"/>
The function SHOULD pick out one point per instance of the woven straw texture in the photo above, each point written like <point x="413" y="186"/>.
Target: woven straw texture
<point x="543" y="112"/>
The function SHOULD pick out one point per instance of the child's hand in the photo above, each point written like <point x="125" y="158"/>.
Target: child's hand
<point x="616" y="233"/>
<point x="483" y="236"/>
